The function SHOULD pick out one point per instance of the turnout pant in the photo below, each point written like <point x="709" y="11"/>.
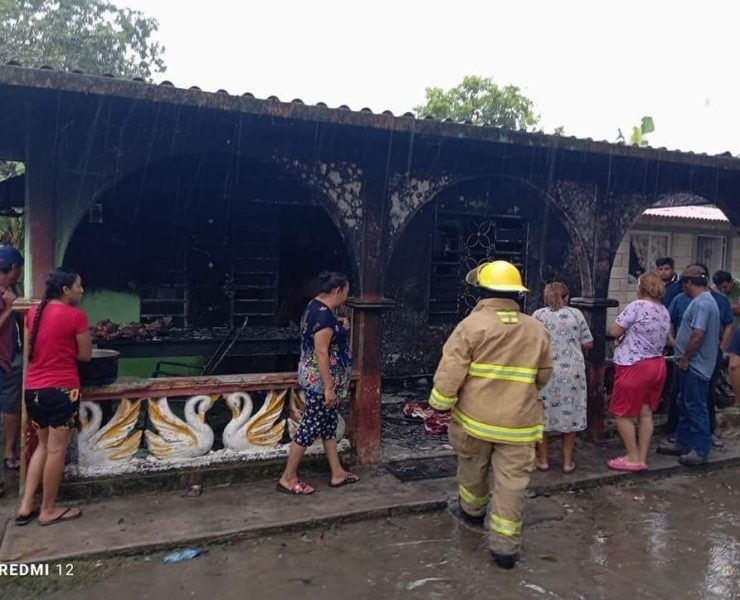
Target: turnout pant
<point x="512" y="465"/>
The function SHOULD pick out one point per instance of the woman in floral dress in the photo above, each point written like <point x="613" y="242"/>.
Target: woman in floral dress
<point x="564" y="396"/>
<point x="324" y="375"/>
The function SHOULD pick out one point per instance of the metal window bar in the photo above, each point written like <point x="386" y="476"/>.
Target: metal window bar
<point x="166" y="368"/>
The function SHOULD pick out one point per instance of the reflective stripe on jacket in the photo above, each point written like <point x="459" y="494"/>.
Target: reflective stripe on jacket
<point x="492" y="367"/>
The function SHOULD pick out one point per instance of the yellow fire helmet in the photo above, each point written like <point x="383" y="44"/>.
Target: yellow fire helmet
<point x="498" y="276"/>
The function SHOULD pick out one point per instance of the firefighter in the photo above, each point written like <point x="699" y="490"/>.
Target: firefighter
<point x="492" y="367"/>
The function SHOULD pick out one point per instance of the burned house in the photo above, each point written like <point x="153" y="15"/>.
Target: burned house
<point x="208" y="209"/>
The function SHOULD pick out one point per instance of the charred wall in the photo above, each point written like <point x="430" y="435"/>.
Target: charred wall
<point x="207" y="241"/>
<point x="510" y="221"/>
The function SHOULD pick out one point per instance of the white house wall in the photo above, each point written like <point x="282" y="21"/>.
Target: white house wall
<point x="682" y="247"/>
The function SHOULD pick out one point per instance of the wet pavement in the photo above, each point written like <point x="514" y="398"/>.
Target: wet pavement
<point x="225" y="512"/>
<point x="672" y="538"/>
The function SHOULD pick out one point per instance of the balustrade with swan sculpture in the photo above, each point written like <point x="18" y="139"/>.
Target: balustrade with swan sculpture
<point x="262" y="430"/>
<point x="177" y="439"/>
<point x="116" y="441"/>
<point x="174" y="439"/>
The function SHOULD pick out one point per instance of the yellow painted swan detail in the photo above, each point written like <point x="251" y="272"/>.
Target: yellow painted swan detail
<point x="114" y="442"/>
<point x="176" y="439"/>
<point x="264" y="429"/>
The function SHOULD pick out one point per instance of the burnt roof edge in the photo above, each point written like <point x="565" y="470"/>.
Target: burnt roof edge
<point x="44" y="79"/>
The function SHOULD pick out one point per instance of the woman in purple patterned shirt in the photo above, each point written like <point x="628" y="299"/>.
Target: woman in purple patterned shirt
<point x="642" y="331"/>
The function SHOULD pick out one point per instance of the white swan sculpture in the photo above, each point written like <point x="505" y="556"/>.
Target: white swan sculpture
<point x="113" y="442"/>
<point x="177" y="439"/>
<point x="262" y="430"/>
<point x="297" y="405"/>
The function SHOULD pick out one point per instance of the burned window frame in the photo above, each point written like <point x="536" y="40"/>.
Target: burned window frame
<point x="460" y="242"/>
<point x="723" y="262"/>
<point x="634" y="267"/>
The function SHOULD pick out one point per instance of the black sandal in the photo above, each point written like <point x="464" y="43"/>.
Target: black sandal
<point x="63" y="517"/>
<point x="22" y="520"/>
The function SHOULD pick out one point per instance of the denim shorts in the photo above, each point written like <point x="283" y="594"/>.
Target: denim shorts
<point x="58" y="408"/>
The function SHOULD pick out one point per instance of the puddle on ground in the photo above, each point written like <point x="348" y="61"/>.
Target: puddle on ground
<point x="678" y="538"/>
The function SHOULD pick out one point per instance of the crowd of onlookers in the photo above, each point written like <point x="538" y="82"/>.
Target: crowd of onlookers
<point x="670" y="346"/>
<point x="704" y="321"/>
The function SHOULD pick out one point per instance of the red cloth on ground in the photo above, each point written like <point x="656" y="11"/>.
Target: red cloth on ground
<point x="638" y="384"/>
<point x="435" y="422"/>
<point x="417" y="410"/>
<point x="54" y="363"/>
<point x="438" y="423"/>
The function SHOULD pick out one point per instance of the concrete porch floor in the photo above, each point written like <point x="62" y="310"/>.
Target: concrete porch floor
<point x="149" y="522"/>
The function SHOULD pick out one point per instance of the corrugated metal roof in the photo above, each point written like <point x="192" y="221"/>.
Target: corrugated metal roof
<point x="222" y="99"/>
<point x="697" y="213"/>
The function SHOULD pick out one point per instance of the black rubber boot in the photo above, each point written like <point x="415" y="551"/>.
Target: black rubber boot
<point x="505" y="561"/>
<point x="472" y="520"/>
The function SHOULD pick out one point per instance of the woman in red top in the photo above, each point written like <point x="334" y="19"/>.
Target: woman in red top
<point x="59" y="337"/>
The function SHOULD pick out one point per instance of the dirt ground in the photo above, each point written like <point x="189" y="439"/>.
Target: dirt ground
<point x="678" y="537"/>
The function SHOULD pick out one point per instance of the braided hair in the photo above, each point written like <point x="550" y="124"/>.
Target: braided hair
<point x="56" y="281"/>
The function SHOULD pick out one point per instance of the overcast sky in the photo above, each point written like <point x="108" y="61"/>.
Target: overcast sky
<point x="591" y="67"/>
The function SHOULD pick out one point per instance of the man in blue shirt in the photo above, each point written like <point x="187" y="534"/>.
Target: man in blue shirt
<point x="730" y="287"/>
<point x="665" y="267"/>
<point x="676" y="310"/>
<point x="696" y="353"/>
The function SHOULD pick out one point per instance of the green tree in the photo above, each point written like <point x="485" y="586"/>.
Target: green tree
<point x="11" y="220"/>
<point x="94" y="36"/>
<point x="481" y="101"/>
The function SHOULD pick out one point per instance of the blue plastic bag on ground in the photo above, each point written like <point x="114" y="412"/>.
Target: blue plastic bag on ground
<point x="181" y="555"/>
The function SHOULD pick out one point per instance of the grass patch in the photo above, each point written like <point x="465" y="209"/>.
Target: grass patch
<point x="82" y="574"/>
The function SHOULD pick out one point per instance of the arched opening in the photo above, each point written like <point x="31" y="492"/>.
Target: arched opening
<point x="194" y="245"/>
<point x="465" y="224"/>
<point x="12" y="203"/>
<point x="685" y="227"/>
<point x="689" y="229"/>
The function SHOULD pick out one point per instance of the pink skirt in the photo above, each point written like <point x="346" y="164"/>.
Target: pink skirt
<point x="637" y="385"/>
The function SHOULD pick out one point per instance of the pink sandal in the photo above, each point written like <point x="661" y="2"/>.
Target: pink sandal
<point x="348" y="480"/>
<point x="299" y="488"/>
<point x="621" y="464"/>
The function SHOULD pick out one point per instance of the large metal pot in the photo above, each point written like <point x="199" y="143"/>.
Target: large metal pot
<point x="102" y="368"/>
